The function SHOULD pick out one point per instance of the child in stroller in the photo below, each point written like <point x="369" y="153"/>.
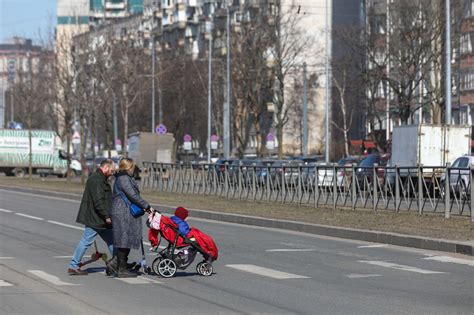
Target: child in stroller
<point x="182" y="248"/>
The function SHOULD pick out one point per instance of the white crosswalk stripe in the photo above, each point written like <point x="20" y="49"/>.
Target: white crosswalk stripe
<point x="262" y="271"/>
<point x="454" y="260"/>
<point x="139" y="280"/>
<point x="50" y="278"/>
<point x="4" y="283"/>
<point x="399" y="267"/>
<point x="360" y="276"/>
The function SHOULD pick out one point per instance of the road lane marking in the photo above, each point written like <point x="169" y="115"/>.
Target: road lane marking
<point x="399" y="267"/>
<point x="5" y="210"/>
<point x="66" y="225"/>
<point x="451" y="260"/>
<point x="266" y="272"/>
<point x="29" y="216"/>
<point x="7" y="258"/>
<point x="85" y="256"/>
<point x="139" y="280"/>
<point x="43" y="196"/>
<point x="50" y="278"/>
<point x="372" y="246"/>
<point x="4" y="283"/>
<point x="291" y="250"/>
<point x="360" y="276"/>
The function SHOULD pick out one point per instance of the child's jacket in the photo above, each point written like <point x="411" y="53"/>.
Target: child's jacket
<point x="182" y="225"/>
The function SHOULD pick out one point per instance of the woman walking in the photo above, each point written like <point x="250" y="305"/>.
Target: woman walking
<point x="127" y="230"/>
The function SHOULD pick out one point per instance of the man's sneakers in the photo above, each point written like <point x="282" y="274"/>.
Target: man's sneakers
<point x="76" y="272"/>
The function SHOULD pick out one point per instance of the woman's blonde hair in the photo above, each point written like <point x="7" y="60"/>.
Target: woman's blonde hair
<point x="127" y="165"/>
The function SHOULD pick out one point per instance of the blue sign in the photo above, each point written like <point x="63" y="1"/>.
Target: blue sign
<point x="161" y="129"/>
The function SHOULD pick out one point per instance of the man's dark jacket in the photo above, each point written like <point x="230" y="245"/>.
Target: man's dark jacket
<point x="96" y="202"/>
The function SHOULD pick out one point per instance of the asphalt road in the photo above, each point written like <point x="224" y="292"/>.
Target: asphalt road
<point x="259" y="270"/>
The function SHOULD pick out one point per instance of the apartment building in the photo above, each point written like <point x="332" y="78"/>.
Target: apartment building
<point x="17" y="55"/>
<point x="466" y="68"/>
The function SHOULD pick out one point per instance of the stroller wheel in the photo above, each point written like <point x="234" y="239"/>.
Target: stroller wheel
<point x="204" y="269"/>
<point x="164" y="267"/>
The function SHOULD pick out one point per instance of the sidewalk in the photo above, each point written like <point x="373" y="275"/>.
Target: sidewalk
<point x="405" y="229"/>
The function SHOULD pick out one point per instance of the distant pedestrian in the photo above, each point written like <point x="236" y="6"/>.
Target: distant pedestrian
<point x="94" y="214"/>
<point x="127" y="229"/>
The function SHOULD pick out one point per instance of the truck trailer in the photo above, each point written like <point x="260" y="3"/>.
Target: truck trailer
<point x="47" y="157"/>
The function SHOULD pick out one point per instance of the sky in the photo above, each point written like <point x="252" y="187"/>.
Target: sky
<point x="26" y="18"/>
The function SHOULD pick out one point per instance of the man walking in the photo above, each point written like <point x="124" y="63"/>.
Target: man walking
<point x="94" y="214"/>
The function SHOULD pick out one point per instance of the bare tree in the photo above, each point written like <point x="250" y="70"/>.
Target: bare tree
<point x="31" y="95"/>
<point x="128" y="65"/>
<point x="290" y="43"/>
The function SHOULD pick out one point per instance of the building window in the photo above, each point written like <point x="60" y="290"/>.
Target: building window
<point x="379" y="25"/>
<point x="466" y="43"/>
<point x="469" y="9"/>
<point x="467" y="80"/>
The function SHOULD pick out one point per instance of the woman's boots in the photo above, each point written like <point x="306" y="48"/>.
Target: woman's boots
<point x="122" y="256"/>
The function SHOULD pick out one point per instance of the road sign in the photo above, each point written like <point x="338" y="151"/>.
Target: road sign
<point x="270" y="143"/>
<point x="76" y="138"/>
<point x="187" y="146"/>
<point x="187" y="138"/>
<point x="161" y="129"/>
<point x="214" y="142"/>
<point x="118" y="144"/>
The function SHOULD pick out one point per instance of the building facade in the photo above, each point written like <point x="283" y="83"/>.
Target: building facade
<point x="17" y="55"/>
<point x="466" y="68"/>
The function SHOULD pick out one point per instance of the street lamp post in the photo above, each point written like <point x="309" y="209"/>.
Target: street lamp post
<point x="153" y="84"/>
<point x="327" y="85"/>
<point x="226" y="123"/>
<point x="305" y="111"/>
<point x="448" y="63"/>
<point x="209" y="95"/>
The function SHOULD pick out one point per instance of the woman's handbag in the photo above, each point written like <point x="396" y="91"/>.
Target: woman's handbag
<point x="135" y="210"/>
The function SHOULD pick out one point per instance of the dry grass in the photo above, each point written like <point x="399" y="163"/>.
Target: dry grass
<point x="456" y="228"/>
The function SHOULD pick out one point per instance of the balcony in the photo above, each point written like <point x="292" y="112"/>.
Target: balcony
<point x="115" y="5"/>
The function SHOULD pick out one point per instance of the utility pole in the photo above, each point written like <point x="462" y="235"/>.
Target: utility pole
<point x="226" y="122"/>
<point x="387" y="94"/>
<point x="305" y="111"/>
<point x="327" y="85"/>
<point x="160" y="98"/>
<point x="209" y="95"/>
<point x="448" y="64"/>
<point x="153" y="84"/>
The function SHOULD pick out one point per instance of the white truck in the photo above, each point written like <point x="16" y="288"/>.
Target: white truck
<point x="150" y="147"/>
<point x="47" y="156"/>
<point x="429" y="145"/>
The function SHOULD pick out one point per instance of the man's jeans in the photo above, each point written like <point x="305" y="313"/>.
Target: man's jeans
<point x="88" y="237"/>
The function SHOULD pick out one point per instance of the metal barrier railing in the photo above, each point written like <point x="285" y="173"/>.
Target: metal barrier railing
<point x="425" y="189"/>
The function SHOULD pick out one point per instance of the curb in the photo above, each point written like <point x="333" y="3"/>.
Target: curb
<point x="465" y="248"/>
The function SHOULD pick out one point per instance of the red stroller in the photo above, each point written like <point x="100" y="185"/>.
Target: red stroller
<point x="181" y="250"/>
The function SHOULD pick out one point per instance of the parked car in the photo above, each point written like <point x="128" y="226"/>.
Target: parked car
<point x="459" y="178"/>
<point x="364" y="172"/>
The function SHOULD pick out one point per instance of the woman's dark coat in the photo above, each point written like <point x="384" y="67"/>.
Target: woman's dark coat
<point x="127" y="230"/>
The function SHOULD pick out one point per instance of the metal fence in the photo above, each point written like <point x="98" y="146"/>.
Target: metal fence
<point x="425" y="189"/>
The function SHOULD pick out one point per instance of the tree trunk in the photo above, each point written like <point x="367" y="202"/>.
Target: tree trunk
<point x="125" y="131"/>
<point x="30" y="162"/>
<point x="83" y="151"/>
<point x="279" y="134"/>
<point x="93" y="133"/>
<point x="68" y="154"/>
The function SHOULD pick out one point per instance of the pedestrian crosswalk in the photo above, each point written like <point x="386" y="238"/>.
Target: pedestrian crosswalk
<point x="4" y="283"/>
